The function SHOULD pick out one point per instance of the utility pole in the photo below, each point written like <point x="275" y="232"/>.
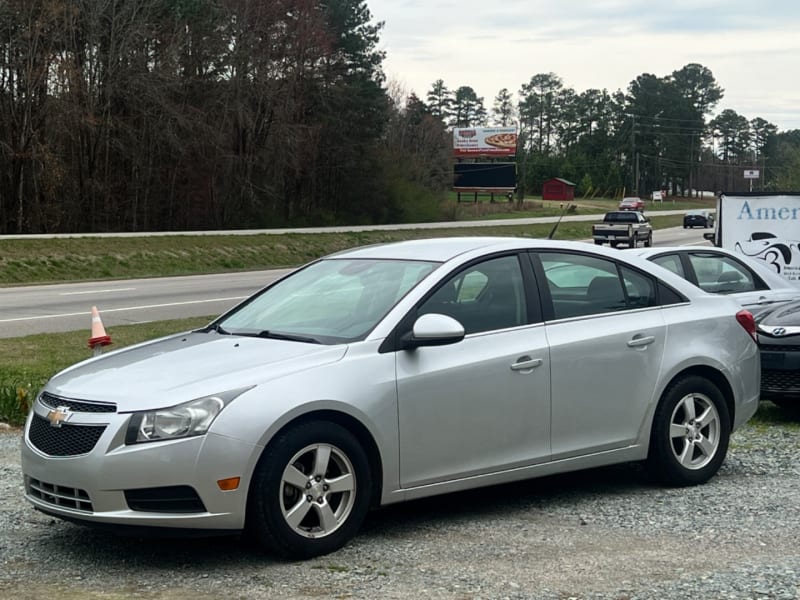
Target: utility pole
<point x="635" y="185"/>
<point x="691" y="164"/>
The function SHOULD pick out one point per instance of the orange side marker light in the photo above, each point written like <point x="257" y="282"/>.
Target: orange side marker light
<point x="229" y="484"/>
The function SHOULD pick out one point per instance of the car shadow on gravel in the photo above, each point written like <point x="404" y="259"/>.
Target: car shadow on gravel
<point x="79" y="545"/>
<point x="555" y="492"/>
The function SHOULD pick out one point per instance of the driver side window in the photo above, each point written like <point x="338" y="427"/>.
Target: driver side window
<point x="483" y="297"/>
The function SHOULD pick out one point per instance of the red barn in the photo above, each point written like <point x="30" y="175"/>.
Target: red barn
<point x="558" y="189"/>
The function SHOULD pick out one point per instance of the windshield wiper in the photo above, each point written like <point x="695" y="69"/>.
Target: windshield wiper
<point x="215" y="327"/>
<point x="274" y="335"/>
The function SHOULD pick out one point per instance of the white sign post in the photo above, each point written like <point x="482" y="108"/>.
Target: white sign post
<point x="751" y="174"/>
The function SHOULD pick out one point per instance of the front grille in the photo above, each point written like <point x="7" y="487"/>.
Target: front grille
<point x="83" y="406"/>
<point x="170" y="499"/>
<point x="777" y="380"/>
<point x="58" y="495"/>
<point x="67" y="440"/>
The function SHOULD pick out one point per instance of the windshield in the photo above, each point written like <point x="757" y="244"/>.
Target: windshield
<point x="330" y="301"/>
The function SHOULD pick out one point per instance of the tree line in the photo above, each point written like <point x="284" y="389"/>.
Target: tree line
<point x="136" y="115"/>
<point x="655" y="135"/>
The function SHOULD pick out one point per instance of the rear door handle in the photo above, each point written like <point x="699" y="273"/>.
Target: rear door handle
<point x="638" y="342"/>
<point x="526" y="364"/>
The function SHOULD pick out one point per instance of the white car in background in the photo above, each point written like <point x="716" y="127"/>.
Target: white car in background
<point x="751" y="282"/>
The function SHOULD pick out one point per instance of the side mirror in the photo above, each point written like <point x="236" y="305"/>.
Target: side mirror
<point x="710" y="236"/>
<point x="433" y="329"/>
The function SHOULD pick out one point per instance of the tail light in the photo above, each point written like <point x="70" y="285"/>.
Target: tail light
<point x="746" y="320"/>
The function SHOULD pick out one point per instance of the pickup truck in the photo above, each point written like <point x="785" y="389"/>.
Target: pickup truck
<point x="623" y="227"/>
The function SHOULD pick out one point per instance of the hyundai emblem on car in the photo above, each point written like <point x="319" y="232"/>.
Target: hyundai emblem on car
<point x="58" y="416"/>
<point x="779" y="331"/>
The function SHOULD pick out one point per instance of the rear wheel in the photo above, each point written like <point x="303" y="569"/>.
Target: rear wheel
<point x="690" y="433"/>
<point x="310" y="491"/>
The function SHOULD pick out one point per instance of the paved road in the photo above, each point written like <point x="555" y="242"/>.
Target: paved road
<point x="66" y="307"/>
<point x="339" y="229"/>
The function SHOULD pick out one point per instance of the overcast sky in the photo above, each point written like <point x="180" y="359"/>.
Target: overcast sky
<point x="752" y="48"/>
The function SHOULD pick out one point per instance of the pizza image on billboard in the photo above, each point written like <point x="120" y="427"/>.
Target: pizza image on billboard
<point x="502" y="140"/>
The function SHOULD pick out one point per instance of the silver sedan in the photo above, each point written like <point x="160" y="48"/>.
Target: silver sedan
<point x="393" y="372"/>
<point x="749" y="281"/>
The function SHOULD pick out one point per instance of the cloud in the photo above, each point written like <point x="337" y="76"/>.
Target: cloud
<point x="752" y="50"/>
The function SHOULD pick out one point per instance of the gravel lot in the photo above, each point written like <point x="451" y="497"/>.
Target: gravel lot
<point x="606" y="533"/>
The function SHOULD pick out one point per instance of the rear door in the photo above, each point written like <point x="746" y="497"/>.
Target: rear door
<point x="607" y="338"/>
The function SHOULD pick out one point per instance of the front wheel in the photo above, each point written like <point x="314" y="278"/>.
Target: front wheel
<point x="649" y="241"/>
<point x="634" y="241"/>
<point x="690" y="434"/>
<point x="310" y="492"/>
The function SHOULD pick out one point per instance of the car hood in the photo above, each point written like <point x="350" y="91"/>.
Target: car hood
<point x="180" y="368"/>
<point x="786" y="315"/>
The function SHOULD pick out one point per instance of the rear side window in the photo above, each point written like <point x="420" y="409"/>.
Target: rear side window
<point x="581" y="285"/>
<point x="721" y="274"/>
<point x="671" y="262"/>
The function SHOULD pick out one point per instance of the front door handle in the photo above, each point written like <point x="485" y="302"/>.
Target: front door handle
<point x="526" y="363"/>
<point x="638" y="342"/>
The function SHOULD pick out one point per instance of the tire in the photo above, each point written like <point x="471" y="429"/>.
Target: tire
<point x="649" y="241"/>
<point x="683" y="451"/>
<point x="634" y="241"/>
<point x="299" y="508"/>
<point x="598" y="243"/>
<point x="612" y="244"/>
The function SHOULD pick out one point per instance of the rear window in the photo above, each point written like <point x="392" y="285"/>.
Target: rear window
<point x="620" y="217"/>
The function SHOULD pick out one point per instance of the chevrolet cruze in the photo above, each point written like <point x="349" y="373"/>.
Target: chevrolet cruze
<point x="393" y="372"/>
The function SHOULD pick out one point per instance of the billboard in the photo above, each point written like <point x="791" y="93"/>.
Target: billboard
<point x="485" y="141"/>
<point x="484" y="177"/>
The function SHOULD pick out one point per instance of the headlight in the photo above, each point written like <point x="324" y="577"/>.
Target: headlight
<point x="184" y="420"/>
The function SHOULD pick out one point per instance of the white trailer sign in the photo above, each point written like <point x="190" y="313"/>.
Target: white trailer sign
<point x="764" y="226"/>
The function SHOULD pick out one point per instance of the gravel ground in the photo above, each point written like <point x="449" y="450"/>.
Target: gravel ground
<point x="607" y="533"/>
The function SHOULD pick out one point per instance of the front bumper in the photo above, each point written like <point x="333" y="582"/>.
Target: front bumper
<point x="91" y="486"/>
<point x="780" y="371"/>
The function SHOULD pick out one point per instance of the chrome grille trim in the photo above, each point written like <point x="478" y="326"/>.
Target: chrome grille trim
<point x="78" y="406"/>
<point x="59" y="495"/>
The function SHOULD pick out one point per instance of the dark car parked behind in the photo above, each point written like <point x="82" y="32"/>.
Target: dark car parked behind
<point x="779" y="344"/>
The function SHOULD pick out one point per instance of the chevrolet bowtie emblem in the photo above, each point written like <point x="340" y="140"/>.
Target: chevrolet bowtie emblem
<point x="58" y="416"/>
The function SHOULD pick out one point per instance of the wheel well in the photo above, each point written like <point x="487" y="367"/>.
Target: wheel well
<point x="361" y="433"/>
<point x="716" y="378"/>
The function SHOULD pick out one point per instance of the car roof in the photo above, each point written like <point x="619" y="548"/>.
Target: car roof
<point x="447" y="248"/>
<point x="465" y="248"/>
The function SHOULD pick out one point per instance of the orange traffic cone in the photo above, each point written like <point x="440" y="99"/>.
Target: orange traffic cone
<point x="99" y="337"/>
